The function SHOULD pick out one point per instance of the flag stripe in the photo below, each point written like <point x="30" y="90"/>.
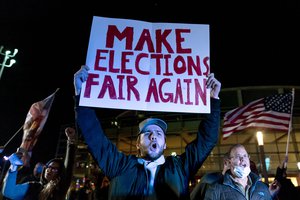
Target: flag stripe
<point x="234" y="114"/>
<point x="262" y="122"/>
<point x="272" y="112"/>
<point x="272" y="117"/>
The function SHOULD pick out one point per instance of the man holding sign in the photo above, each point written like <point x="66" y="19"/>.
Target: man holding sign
<point x="150" y="174"/>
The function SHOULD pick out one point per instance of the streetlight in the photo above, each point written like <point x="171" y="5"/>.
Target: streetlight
<point x="260" y="141"/>
<point x="7" y="56"/>
<point x="260" y="138"/>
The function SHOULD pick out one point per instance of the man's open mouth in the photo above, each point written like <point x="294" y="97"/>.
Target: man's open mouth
<point x="153" y="146"/>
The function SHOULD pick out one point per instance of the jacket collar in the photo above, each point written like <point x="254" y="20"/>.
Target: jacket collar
<point x="159" y="161"/>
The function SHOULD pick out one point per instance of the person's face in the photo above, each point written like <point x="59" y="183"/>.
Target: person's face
<point x="52" y="171"/>
<point x="151" y="143"/>
<point x="239" y="157"/>
<point x="105" y="182"/>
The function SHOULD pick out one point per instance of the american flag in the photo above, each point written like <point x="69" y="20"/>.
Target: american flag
<point x="34" y="124"/>
<point x="273" y="112"/>
<point x="35" y="121"/>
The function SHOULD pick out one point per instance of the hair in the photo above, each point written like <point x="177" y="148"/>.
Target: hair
<point x="52" y="185"/>
<point x="138" y="139"/>
<point x="61" y="170"/>
<point x="49" y="189"/>
<point x="235" y="146"/>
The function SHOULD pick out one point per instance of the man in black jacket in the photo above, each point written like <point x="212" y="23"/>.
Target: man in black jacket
<point x="207" y="179"/>
<point x="239" y="182"/>
<point x="150" y="175"/>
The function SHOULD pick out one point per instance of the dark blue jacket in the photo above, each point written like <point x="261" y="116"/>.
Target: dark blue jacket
<point x="31" y="190"/>
<point x="227" y="190"/>
<point x="207" y="179"/>
<point x="129" y="178"/>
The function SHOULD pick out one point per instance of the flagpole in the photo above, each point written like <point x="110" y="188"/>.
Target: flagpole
<point x="290" y="124"/>
<point x="3" y="147"/>
<point x="56" y="90"/>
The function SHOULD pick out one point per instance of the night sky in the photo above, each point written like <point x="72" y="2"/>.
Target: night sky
<point x="251" y="44"/>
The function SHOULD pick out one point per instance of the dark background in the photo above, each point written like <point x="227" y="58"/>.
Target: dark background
<point x="252" y="43"/>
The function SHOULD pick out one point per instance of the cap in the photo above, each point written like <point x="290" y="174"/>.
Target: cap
<point x="152" y="121"/>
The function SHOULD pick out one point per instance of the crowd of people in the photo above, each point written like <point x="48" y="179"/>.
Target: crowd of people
<point x="53" y="182"/>
<point x="149" y="174"/>
<point x="92" y="187"/>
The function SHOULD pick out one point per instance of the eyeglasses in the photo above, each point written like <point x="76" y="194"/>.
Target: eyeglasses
<point x="240" y="157"/>
<point x="53" y="169"/>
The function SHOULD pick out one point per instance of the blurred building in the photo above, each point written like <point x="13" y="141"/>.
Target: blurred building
<point x="122" y="128"/>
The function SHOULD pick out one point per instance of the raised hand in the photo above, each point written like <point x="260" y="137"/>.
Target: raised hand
<point x="213" y="84"/>
<point x="79" y="77"/>
<point x="71" y="134"/>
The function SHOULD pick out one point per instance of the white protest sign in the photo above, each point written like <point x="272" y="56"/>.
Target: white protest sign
<point x="139" y="65"/>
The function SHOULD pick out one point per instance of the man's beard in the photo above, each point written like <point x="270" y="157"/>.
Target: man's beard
<point x="153" y="155"/>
